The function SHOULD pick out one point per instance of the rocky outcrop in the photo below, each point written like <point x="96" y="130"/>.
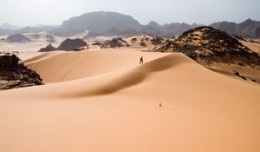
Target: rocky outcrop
<point x="48" y="48"/>
<point x="15" y="75"/>
<point x="156" y="40"/>
<point x="72" y="45"/>
<point x="207" y="45"/>
<point x="17" y="38"/>
<point x="114" y="43"/>
<point x="143" y="44"/>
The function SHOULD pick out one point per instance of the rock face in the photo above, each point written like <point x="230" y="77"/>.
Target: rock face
<point x="48" y="48"/>
<point x="207" y="45"/>
<point x="15" y="75"/>
<point x="18" y="38"/>
<point x="72" y="45"/>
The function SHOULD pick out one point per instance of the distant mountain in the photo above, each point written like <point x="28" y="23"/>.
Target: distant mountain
<point x="105" y="23"/>
<point x="248" y="28"/>
<point x="167" y="30"/>
<point x="111" y="23"/>
<point x="6" y="31"/>
<point x="35" y="29"/>
<point x="153" y="28"/>
<point x="154" y="25"/>
<point x="177" y="28"/>
<point x="9" y="26"/>
<point x="28" y="29"/>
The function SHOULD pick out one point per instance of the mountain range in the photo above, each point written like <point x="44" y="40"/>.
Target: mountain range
<point x="248" y="28"/>
<point x="112" y="23"/>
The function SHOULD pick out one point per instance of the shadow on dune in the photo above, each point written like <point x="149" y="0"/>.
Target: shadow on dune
<point x="133" y="77"/>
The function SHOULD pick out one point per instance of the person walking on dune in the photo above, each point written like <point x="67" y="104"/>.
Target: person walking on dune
<point x="141" y="60"/>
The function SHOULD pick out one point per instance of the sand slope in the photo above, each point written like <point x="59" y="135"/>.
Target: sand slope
<point x="252" y="46"/>
<point x="115" y="106"/>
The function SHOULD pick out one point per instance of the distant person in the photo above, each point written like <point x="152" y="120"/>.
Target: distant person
<point x="141" y="60"/>
<point x="160" y="104"/>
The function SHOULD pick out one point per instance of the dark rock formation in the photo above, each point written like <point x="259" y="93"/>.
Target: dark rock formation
<point x="48" y="48"/>
<point x="157" y="40"/>
<point x="207" y="45"/>
<point x="97" y="43"/>
<point x="18" y="38"/>
<point x="117" y="42"/>
<point x="72" y="45"/>
<point x="134" y="39"/>
<point x="114" y="43"/>
<point x="8" y="62"/>
<point x="142" y="43"/>
<point x="15" y="75"/>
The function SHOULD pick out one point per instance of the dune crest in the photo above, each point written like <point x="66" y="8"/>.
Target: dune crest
<point x="136" y="76"/>
<point x="77" y="65"/>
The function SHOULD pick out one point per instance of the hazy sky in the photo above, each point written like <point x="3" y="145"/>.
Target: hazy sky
<point x="53" y="12"/>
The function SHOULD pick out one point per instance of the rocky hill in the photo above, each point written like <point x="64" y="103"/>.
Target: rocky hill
<point x="114" y="43"/>
<point x="72" y="45"/>
<point x="248" y="28"/>
<point x="145" y="41"/>
<point x="15" y="75"/>
<point x="207" y="45"/>
<point x="48" y="48"/>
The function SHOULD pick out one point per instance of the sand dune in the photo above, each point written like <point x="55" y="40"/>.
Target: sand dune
<point x="106" y="101"/>
<point x="252" y="46"/>
<point x="65" y="66"/>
